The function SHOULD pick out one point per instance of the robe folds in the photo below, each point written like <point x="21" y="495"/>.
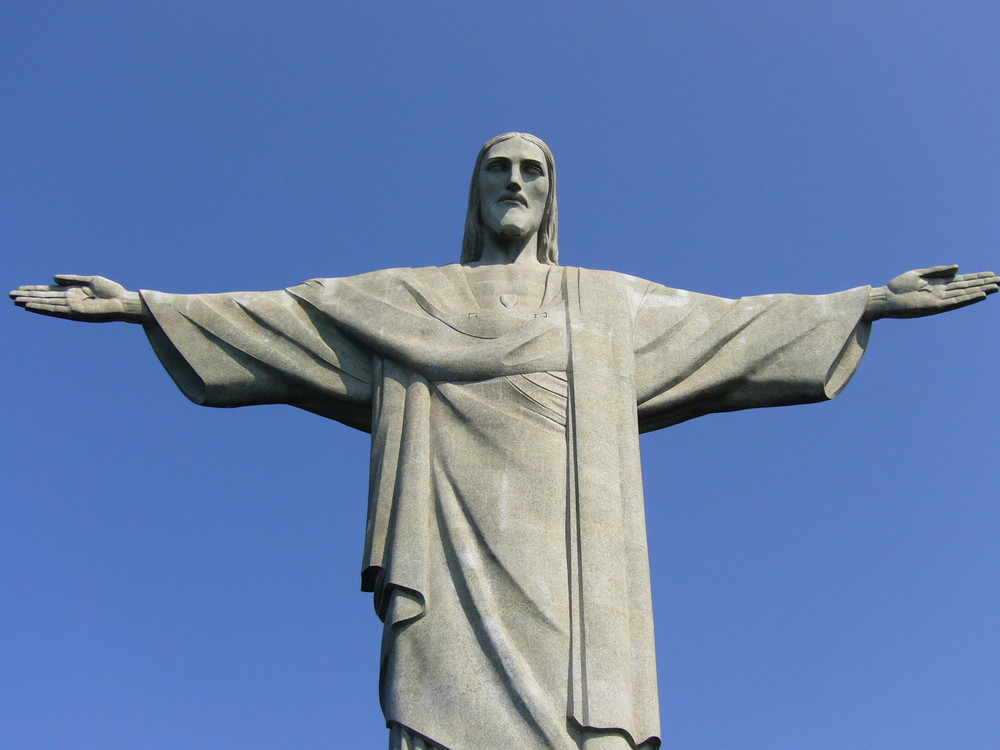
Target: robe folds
<point x="506" y="543"/>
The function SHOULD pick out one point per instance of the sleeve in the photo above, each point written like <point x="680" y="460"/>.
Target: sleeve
<point x="248" y="348"/>
<point x="697" y="354"/>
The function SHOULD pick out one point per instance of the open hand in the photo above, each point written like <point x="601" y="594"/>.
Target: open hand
<point x="93" y="299"/>
<point x="928" y="291"/>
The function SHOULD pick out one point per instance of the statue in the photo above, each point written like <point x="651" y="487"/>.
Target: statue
<point x="506" y="547"/>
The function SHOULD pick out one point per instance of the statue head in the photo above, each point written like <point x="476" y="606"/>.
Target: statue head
<point x="472" y="242"/>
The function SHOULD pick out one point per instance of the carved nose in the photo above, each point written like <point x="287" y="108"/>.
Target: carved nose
<point x="514" y="186"/>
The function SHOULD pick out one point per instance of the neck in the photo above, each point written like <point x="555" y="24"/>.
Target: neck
<point x="499" y="250"/>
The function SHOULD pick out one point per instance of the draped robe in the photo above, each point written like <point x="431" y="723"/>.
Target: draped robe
<point x="506" y="544"/>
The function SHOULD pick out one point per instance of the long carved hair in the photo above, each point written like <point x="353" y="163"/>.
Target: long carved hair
<point x="548" y="246"/>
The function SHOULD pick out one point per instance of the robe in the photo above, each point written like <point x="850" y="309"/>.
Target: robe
<point x="505" y="543"/>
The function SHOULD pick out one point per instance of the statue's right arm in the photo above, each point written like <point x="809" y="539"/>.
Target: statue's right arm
<point x="92" y="299"/>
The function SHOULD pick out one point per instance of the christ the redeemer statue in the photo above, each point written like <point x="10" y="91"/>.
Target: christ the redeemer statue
<point x="505" y="394"/>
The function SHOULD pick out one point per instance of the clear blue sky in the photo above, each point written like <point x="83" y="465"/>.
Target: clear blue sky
<point x="825" y="577"/>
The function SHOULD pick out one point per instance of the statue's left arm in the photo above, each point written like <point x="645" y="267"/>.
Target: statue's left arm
<point x="697" y="354"/>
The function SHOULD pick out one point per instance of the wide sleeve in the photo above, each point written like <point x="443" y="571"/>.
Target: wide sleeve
<point x="248" y="348"/>
<point x="697" y="354"/>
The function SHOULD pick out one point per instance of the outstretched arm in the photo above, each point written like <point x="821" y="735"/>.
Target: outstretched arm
<point x="93" y="299"/>
<point x="928" y="291"/>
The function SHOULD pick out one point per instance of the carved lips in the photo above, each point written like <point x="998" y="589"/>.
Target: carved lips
<point x="517" y="197"/>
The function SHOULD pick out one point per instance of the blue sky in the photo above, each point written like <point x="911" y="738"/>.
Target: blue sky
<point x="824" y="576"/>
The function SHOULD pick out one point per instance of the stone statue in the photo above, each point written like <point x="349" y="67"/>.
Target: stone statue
<point x="506" y="546"/>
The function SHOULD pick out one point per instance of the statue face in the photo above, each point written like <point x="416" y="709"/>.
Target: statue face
<point x="513" y="188"/>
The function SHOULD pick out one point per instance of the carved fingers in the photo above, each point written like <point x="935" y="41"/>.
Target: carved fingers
<point x="88" y="298"/>
<point x="982" y="280"/>
<point x="47" y="300"/>
<point x="932" y="290"/>
<point x="969" y="288"/>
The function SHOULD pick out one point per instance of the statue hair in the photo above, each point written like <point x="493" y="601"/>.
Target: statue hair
<point x="548" y="247"/>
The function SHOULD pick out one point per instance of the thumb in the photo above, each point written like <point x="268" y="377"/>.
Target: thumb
<point x="938" y="272"/>
<point x="69" y="279"/>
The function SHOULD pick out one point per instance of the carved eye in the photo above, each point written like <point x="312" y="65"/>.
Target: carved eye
<point x="534" y="169"/>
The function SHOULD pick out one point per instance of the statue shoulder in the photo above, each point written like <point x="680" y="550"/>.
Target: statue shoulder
<point x="385" y="277"/>
<point x="631" y="287"/>
<point x="611" y="278"/>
